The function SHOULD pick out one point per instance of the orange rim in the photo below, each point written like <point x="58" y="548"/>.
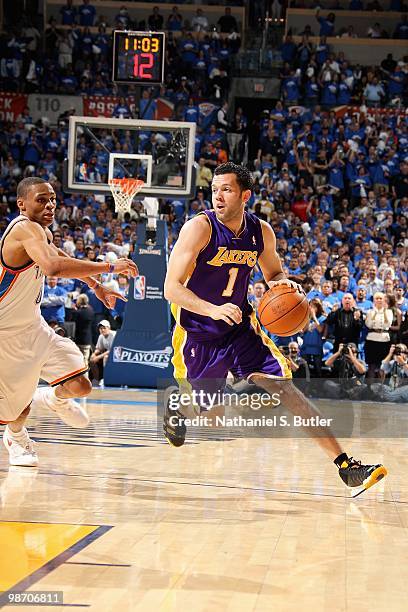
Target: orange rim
<point x="127" y="185"/>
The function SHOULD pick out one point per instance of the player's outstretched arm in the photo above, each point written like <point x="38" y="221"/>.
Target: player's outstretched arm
<point x="107" y="296"/>
<point x="194" y="236"/>
<point x="33" y="238"/>
<point x="270" y="262"/>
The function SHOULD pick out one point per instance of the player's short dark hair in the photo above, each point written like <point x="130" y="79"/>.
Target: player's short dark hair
<point x="244" y="178"/>
<point x="25" y="185"/>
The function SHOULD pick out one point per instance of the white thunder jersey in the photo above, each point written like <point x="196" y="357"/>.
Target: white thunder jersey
<point x="21" y="291"/>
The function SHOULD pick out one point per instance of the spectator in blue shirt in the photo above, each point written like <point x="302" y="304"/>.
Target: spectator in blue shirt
<point x="50" y="165"/>
<point x="312" y="347"/>
<point x="68" y="81"/>
<point x="102" y="42"/>
<point x="328" y="298"/>
<point x="122" y="19"/>
<point x="401" y="31"/>
<point x="322" y="51"/>
<point x="361" y="299"/>
<point x="361" y="184"/>
<point x="290" y="89"/>
<point x="374" y="93"/>
<point x="200" y="64"/>
<point x="87" y="14"/>
<point x="189" y="49"/>
<point x="288" y="50"/>
<point x="396" y="82"/>
<point x="326" y="24"/>
<point x="174" y="21"/>
<point x="32" y="150"/>
<point x="343" y="92"/>
<point x="191" y="112"/>
<point x="68" y="13"/>
<point x="147" y="107"/>
<point x="316" y="289"/>
<point x="53" y="142"/>
<point x="312" y="92"/>
<point x="53" y="302"/>
<point x="122" y="110"/>
<point x="86" y="42"/>
<point x="304" y="52"/>
<point x="336" y="179"/>
<point x="401" y="300"/>
<point x="329" y="92"/>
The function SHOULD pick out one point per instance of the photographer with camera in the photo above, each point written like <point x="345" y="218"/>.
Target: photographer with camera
<point x="297" y="364"/>
<point x="349" y="370"/>
<point x="395" y="365"/>
<point x="345" y="364"/>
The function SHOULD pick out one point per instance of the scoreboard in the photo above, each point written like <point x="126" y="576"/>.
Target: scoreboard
<point x="138" y="57"/>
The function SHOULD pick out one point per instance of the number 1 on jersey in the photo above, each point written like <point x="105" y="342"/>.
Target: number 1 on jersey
<point x="229" y="289"/>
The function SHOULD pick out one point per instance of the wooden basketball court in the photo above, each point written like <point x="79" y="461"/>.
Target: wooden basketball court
<point x="120" y="521"/>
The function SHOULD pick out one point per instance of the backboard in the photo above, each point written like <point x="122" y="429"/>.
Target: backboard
<point x="161" y="153"/>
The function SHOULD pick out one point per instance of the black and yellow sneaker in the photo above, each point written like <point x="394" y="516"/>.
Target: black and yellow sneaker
<point x="353" y="474"/>
<point x="174" y="427"/>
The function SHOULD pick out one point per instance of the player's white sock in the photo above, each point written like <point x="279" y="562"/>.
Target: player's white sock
<point x="69" y="411"/>
<point x="52" y="397"/>
<point x="16" y="435"/>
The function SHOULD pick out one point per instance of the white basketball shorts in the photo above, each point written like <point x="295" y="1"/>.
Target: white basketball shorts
<point x="28" y="356"/>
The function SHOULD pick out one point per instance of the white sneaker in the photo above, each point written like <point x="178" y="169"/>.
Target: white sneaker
<point x="69" y="411"/>
<point x="21" y="450"/>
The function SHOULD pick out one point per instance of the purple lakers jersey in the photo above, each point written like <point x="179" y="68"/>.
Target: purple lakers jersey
<point x="222" y="273"/>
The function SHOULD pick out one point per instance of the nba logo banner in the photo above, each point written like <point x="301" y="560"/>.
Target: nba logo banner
<point x="141" y="349"/>
<point x="139" y="290"/>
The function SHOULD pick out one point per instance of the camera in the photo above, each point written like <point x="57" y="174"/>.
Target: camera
<point x="345" y="349"/>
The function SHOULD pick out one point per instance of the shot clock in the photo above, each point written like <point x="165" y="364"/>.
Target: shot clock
<point x="138" y="57"/>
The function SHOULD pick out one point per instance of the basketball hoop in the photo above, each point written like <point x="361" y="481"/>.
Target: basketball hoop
<point x="123" y="191"/>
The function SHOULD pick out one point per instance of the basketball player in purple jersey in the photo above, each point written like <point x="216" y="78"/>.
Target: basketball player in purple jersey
<point x="217" y="331"/>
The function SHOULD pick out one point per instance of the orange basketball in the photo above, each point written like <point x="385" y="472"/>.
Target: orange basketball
<point x="283" y="310"/>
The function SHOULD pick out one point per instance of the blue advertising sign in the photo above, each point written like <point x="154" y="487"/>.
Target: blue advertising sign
<point x="142" y="348"/>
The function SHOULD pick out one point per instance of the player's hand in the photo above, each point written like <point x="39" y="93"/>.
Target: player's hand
<point x="108" y="297"/>
<point x="288" y="283"/>
<point x="230" y="313"/>
<point x="125" y="266"/>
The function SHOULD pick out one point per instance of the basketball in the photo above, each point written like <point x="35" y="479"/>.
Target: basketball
<point x="283" y="310"/>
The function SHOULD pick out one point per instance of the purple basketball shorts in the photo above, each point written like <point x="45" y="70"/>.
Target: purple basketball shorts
<point x="245" y="351"/>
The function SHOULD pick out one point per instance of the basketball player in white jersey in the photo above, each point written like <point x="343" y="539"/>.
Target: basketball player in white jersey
<point x="29" y="348"/>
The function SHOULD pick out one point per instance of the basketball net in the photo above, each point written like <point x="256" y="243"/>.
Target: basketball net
<point x="123" y="191"/>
